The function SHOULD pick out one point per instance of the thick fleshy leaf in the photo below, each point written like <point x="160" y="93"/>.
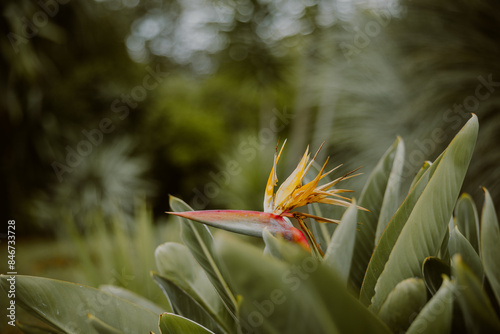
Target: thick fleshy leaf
<point x="433" y="270"/>
<point x="175" y="324"/>
<point x="480" y="317"/>
<point x="401" y="305"/>
<point x="379" y="197"/>
<point x="134" y="298"/>
<point x="339" y="254"/>
<point x="176" y="264"/>
<point x="65" y="306"/>
<point x="490" y="237"/>
<point x="186" y="305"/>
<point x="458" y="244"/>
<point x="301" y="297"/>
<point x="467" y="220"/>
<point x="199" y="240"/>
<point x="436" y="316"/>
<point x="427" y="223"/>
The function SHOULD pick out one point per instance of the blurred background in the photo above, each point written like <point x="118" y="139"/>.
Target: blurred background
<point x="109" y="106"/>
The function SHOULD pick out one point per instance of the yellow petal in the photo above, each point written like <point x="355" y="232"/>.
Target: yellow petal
<point x="292" y="182"/>
<point x="272" y="181"/>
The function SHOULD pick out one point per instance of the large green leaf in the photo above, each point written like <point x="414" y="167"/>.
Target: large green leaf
<point x="458" y="244"/>
<point x="424" y="230"/>
<point x="380" y="197"/>
<point x="436" y="316"/>
<point x="186" y="305"/>
<point x="301" y="297"/>
<point x="177" y="265"/>
<point x="339" y="253"/>
<point x="199" y="240"/>
<point x="65" y="306"/>
<point x="401" y="305"/>
<point x="134" y="298"/>
<point x="490" y="238"/>
<point x="467" y="220"/>
<point x="175" y="324"/>
<point x="478" y="312"/>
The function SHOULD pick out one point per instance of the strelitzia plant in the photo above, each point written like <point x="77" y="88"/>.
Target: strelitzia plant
<point x="292" y="194"/>
<point x="426" y="265"/>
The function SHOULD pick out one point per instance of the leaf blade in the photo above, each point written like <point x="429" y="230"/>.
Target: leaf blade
<point x="372" y="198"/>
<point x="424" y="230"/>
<point x="199" y="240"/>
<point x="490" y="234"/>
<point x="175" y="324"/>
<point x="340" y="250"/>
<point x="65" y="306"/>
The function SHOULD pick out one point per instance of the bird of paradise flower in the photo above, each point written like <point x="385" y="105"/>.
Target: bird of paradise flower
<point x="278" y="206"/>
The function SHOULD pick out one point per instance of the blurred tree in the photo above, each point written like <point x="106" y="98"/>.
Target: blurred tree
<point x="63" y="65"/>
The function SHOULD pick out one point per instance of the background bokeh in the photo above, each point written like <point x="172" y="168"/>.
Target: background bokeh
<point x="109" y="106"/>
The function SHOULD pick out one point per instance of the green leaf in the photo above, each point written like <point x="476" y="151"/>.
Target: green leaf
<point x="185" y="304"/>
<point x="65" y="306"/>
<point x="392" y="190"/>
<point x="433" y="270"/>
<point x="176" y="264"/>
<point x="134" y="298"/>
<point x="427" y="223"/>
<point x="490" y="237"/>
<point x="175" y="324"/>
<point x="379" y="196"/>
<point x="199" y="240"/>
<point x="444" y="253"/>
<point x="479" y="315"/>
<point x="403" y="303"/>
<point x="301" y="297"/>
<point x="339" y="253"/>
<point x="467" y="220"/>
<point x="391" y="234"/>
<point x="436" y="316"/>
<point x="101" y="327"/>
<point x="420" y="173"/>
<point x="458" y="244"/>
